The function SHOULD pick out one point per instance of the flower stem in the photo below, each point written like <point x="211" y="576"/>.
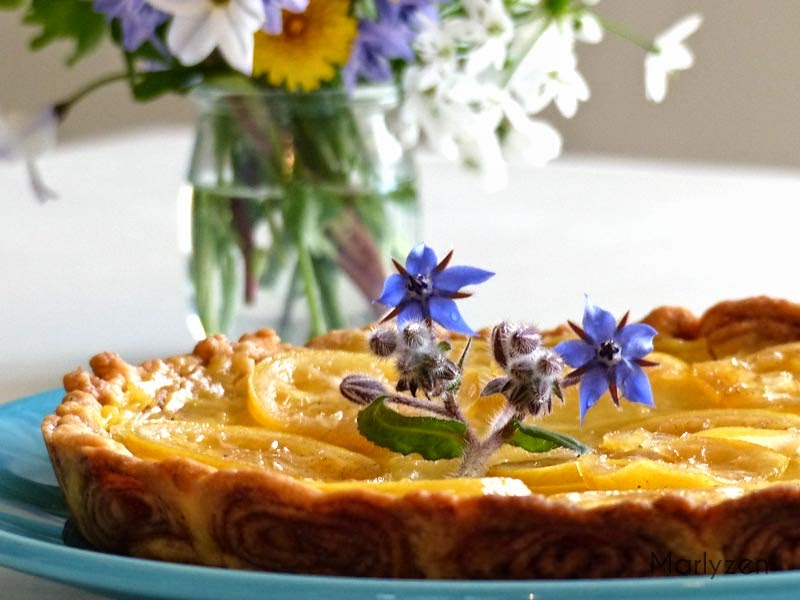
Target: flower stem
<point x="63" y="106"/>
<point x="629" y="36"/>
<point x="516" y="61"/>
<point x="243" y="224"/>
<point x="313" y="297"/>
<point x="477" y="452"/>
<point x="292" y="294"/>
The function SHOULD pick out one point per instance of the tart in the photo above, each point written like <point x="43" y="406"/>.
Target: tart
<point x="245" y="455"/>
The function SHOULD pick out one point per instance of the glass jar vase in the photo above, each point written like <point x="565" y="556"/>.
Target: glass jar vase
<point x="298" y="201"/>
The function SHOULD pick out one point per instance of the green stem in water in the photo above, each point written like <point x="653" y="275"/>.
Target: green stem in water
<point x="203" y="265"/>
<point x="229" y="281"/>
<point x="313" y="297"/>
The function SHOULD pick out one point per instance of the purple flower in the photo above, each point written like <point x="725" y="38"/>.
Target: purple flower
<point x="388" y="38"/>
<point x="137" y="19"/>
<point x="273" y="10"/>
<point x="426" y="288"/>
<point x="608" y="356"/>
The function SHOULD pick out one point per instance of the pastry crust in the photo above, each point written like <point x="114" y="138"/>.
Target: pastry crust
<point x="179" y="509"/>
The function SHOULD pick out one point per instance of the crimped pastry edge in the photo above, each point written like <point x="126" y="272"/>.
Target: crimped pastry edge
<point x="183" y="511"/>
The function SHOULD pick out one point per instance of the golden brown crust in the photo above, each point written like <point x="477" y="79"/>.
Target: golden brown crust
<point x="760" y="529"/>
<point x="732" y="327"/>
<point x="179" y="510"/>
<point x="674" y="321"/>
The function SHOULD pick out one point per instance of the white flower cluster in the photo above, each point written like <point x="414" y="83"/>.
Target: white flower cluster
<point x="484" y="71"/>
<point x="483" y="77"/>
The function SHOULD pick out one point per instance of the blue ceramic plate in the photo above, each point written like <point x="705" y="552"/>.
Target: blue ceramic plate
<point x="32" y="516"/>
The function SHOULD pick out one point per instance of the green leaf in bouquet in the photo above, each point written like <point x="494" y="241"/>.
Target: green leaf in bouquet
<point x="365" y="9"/>
<point x="10" y="4"/>
<point x="537" y="439"/>
<point x="73" y="20"/>
<point x="147" y="85"/>
<point x="430" y="437"/>
<point x="259" y="263"/>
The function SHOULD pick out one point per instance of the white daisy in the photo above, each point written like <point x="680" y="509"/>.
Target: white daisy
<point x="200" y="26"/>
<point x="669" y="55"/>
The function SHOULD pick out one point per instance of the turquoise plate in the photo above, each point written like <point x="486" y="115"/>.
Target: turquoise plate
<point x="32" y="516"/>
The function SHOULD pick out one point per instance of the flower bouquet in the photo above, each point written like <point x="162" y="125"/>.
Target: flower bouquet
<point x="307" y="112"/>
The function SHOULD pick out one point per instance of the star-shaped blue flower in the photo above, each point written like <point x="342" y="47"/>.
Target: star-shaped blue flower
<point x="137" y="20"/>
<point x="426" y="289"/>
<point x="608" y="356"/>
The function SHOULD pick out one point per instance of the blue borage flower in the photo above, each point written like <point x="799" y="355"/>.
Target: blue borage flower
<point x="386" y="38"/>
<point x="137" y="20"/>
<point x="608" y="356"/>
<point x="426" y="289"/>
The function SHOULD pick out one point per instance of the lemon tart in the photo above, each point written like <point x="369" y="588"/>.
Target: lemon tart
<point x="245" y="455"/>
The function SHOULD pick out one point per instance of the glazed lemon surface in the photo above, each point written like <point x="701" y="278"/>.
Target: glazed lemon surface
<point x="716" y="424"/>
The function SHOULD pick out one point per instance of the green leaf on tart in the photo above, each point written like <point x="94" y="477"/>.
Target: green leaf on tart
<point x="536" y="439"/>
<point x="433" y="438"/>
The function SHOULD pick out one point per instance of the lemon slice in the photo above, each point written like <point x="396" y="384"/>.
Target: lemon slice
<point x="236" y="446"/>
<point x="761" y="380"/>
<point x="603" y="473"/>
<point x="787" y="442"/>
<point x="705" y="419"/>
<point x="298" y="391"/>
<point x="543" y="478"/>
<point x="642" y="459"/>
<point x="691" y="351"/>
<point x="728" y="459"/>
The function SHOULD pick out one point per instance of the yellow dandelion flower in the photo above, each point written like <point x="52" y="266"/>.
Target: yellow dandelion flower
<point x="310" y="48"/>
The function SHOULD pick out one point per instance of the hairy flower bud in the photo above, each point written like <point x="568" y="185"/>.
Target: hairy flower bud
<point x="383" y="341"/>
<point x="549" y="364"/>
<point x="416" y="334"/>
<point x="361" y="389"/>
<point x="525" y="340"/>
<point x="500" y="335"/>
<point x="523" y="368"/>
<point x="445" y="369"/>
<point x="530" y="398"/>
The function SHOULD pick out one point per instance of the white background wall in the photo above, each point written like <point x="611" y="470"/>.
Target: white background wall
<point x="738" y="105"/>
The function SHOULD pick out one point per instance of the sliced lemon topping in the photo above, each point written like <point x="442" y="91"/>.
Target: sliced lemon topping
<point x="716" y="425"/>
<point x="298" y="391"/>
<point x="238" y="446"/>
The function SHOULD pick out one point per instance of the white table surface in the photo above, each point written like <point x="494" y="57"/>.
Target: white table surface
<point x="99" y="269"/>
